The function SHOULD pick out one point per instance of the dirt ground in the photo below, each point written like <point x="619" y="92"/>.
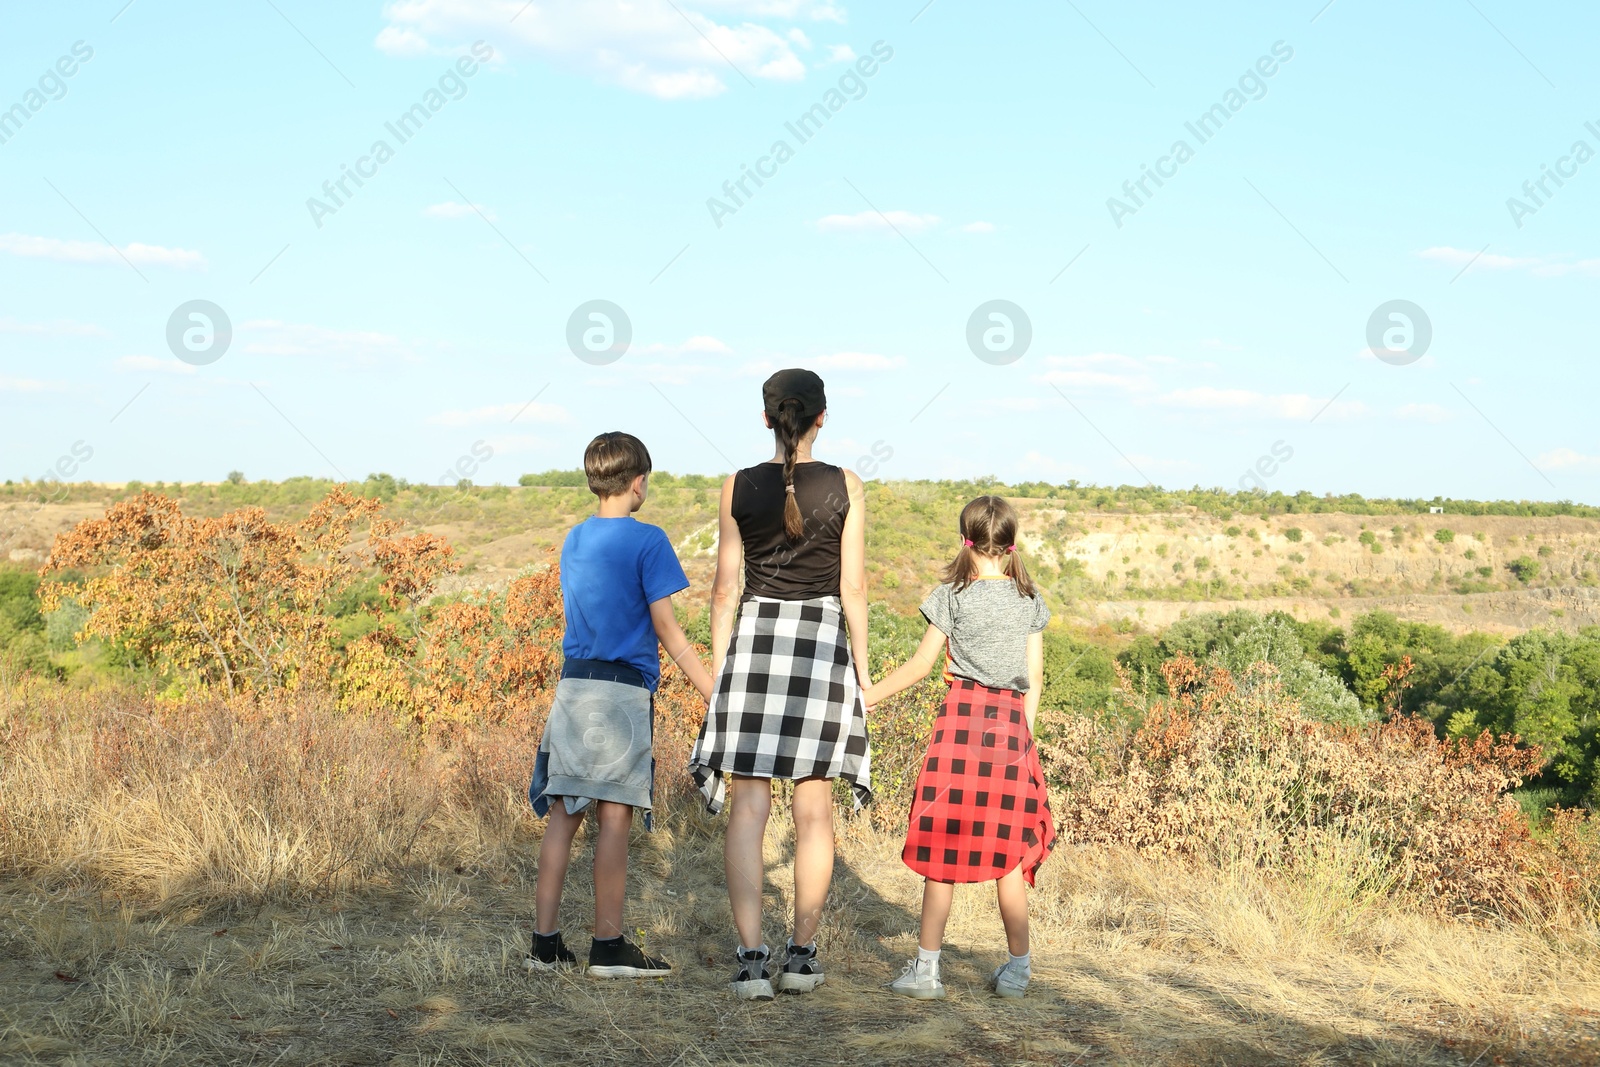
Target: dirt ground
<point x="1135" y="963"/>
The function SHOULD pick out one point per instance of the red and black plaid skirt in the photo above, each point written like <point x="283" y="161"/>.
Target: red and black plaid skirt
<point x="980" y="809"/>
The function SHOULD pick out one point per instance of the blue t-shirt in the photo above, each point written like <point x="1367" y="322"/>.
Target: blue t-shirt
<point x="612" y="570"/>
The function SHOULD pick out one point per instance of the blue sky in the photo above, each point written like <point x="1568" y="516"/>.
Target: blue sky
<point x="425" y="317"/>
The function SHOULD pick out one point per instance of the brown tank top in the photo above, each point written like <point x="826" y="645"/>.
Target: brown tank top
<point x="774" y="566"/>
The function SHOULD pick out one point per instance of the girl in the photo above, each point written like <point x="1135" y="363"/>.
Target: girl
<point x="979" y="811"/>
<point x="787" y="700"/>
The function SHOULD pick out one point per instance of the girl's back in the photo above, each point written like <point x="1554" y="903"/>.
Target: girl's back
<point x="988" y="624"/>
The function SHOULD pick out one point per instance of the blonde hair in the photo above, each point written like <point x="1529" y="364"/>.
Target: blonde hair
<point x="988" y="528"/>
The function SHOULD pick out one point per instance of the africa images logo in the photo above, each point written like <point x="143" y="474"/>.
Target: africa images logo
<point x="1203" y="128"/>
<point x="852" y="85"/>
<point x="402" y="129"/>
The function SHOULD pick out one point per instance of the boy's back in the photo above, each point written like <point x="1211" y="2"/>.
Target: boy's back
<point x="617" y="580"/>
<point x="612" y="570"/>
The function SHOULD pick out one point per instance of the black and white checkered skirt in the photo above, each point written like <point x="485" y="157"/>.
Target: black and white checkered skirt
<point x="787" y="703"/>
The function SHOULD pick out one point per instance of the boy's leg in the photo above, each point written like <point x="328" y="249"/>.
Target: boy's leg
<point x="1012" y="891"/>
<point x="611" y="868"/>
<point x="555" y="853"/>
<point x="937" y="898"/>
<point x="742" y="855"/>
<point x="812" y="809"/>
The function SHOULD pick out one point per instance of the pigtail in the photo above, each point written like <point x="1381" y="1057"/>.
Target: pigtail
<point x="790" y="429"/>
<point x="961" y="570"/>
<point x="1017" y="572"/>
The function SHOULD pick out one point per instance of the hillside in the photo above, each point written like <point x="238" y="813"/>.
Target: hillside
<point x="1102" y="557"/>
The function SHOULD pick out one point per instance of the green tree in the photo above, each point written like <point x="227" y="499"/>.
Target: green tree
<point x="1524" y="568"/>
<point x="1078" y="675"/>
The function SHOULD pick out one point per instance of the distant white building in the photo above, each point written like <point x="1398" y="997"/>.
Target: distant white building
<point x="1436" y="511"/>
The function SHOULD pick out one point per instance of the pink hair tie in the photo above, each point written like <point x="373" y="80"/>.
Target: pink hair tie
<point x="966" y="542"/>
<point x="1011" y="548"/>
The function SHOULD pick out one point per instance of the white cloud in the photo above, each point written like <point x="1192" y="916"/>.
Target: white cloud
<point x="1542" y="267"/>
<point x="148" y="364"/>
<point x="452" y="210"/>
<point x="20" y="244"/>
<point x="269" y="337"/>
<point x="26" y="385"/>
<point x="1583" y="266"/>
<point x="1218" y="344"/>
<point x="1098" y="370"/>
<point x="60" y="328"/>
<point x="1460" y="257"/>
<point x="869" y="221"/>
<point x="978" y="227"/>
<point x="1567" y="459"/>
<point x="856" y="361"/>
<point x="521" y="412"/>
<point x="663" y="48"/>
<point x="839" y="53"/>
<point x="699" y="344"/>
<point x="1271" y="405"/>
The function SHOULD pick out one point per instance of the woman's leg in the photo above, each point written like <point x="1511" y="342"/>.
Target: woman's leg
<point x="742" y="855"/>
<point x="1012" y="891"/>
<point x="936" y="900"/>
<point x="813" y="854"/>
<point x="555" y="852"/>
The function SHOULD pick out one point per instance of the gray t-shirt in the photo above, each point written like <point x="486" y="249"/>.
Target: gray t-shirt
<point x="988" y="624"/>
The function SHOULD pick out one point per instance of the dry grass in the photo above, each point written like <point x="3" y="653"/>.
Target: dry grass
<point x="297" y="887"/>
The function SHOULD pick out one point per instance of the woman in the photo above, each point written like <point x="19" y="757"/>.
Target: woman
<point x="787" y="697"/>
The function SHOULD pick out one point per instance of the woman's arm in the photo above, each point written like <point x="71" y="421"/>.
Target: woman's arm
<point x="912" y="670"/>
<point x="725" y="586"/>
<point x="673" y="639"/>
<point x="1030" y="699"/>
<point x="853" y="573"/>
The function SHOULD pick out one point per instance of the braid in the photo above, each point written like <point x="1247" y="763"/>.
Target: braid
<point x="789" y="432"/>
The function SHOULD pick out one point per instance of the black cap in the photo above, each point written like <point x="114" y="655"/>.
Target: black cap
<point x="795" y="384"/>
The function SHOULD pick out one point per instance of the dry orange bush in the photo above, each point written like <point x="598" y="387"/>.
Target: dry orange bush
<point x="1233" y="774"/>
<point x="235" y="601"/>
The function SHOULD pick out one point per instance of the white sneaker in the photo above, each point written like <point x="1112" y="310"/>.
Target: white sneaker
<point x="1009" y="980"/>
<point x="753" y="980"/>
<point x="919" y="981"/>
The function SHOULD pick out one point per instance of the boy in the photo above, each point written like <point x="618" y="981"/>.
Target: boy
<point x="617" y="580"/>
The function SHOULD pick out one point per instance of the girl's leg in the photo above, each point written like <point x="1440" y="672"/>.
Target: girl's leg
<point x="611" y="868"/>
<point x="555" y="852"/>
<point x="1013" y="893"/>
<point x="741" y="853"/>
<point x="936" y="900"/>
<point x="813" y="854"/>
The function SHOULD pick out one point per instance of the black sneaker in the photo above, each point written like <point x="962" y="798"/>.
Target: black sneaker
<point x="801" y="971"/>
<point x="549" y="953"/>
<point x="621" y="958"/>
<point x="753" y="981"/>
